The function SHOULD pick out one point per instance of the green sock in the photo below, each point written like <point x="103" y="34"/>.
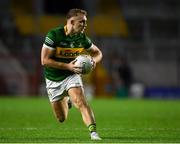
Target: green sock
<point x="92" y="128"/>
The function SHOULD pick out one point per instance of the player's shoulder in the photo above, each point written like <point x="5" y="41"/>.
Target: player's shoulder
<point x="84" y="36"/>
<point x="58" y="28"/>
<point x="55" y="30"/>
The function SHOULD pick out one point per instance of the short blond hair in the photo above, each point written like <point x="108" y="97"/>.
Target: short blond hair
<point x="75" y="12"/>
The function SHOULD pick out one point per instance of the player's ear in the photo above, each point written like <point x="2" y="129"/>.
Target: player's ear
<point x="72" y="22"/>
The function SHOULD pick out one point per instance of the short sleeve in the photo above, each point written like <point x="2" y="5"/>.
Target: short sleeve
<point x="50" y="40"/>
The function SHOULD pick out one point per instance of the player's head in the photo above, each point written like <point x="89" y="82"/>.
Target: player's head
<point x="77" y="19"/>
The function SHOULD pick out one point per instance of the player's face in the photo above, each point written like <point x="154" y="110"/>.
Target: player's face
<point x="79" y="23"/>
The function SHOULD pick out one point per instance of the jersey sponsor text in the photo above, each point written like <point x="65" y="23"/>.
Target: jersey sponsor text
<point x="68" y="52"/>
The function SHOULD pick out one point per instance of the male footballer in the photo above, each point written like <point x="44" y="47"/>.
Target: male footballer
<point x="63" y="79"/>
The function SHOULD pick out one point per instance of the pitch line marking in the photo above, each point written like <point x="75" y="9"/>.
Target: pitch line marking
<point x="104" y="129"/>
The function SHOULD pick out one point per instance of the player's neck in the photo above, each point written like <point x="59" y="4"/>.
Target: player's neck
<point x="68" y="29"/>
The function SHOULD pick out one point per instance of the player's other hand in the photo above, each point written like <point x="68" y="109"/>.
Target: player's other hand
<point x="93" y="63"/>
<point x="74" y="68"/>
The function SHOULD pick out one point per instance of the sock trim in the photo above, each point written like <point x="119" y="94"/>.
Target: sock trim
<point x="92" y="128"/>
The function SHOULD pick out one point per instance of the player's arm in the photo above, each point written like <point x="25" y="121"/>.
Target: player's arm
<point x="46" y="60"/>
<point x="95" y="53"/>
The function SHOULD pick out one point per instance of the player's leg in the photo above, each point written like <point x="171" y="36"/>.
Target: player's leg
<point x="60" y="109"/>
<point x="58" y="98"/>
<point x="79" y="101"/>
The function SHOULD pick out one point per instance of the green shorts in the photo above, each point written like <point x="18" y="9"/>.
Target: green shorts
<point x="57" y="90"/>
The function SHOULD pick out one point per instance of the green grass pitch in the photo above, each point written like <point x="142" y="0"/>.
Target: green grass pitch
<point x="31" y="120"/>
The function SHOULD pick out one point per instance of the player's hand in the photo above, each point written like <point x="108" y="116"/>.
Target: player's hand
<point x="74" y="68"/>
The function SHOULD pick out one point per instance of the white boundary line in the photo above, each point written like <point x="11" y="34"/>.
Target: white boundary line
<point x="104" y="129"/>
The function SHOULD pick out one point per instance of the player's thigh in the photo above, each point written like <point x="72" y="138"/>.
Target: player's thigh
<point x="60" y="108"/>
<point x="77" y="96"/>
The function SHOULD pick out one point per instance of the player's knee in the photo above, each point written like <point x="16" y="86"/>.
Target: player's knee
<point x="82" y="104"/>
<point x="61" y="119"/>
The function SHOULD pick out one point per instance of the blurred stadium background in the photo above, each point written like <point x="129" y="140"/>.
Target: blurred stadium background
<point x="142" y="34"/>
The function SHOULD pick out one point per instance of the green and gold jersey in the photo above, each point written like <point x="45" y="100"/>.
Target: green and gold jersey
<point x="66" y="48"/>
